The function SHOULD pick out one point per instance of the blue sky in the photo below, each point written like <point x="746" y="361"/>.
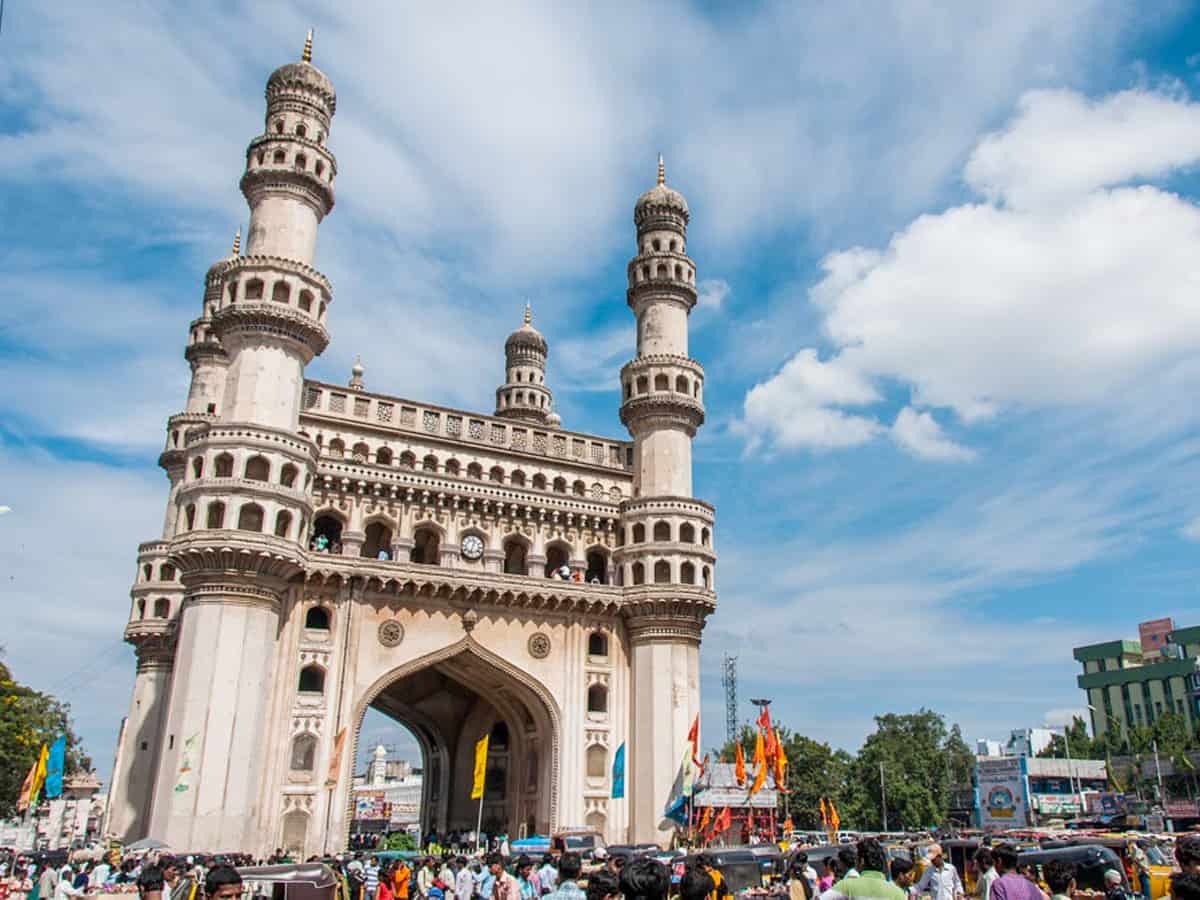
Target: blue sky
<point x="950" y="306"/>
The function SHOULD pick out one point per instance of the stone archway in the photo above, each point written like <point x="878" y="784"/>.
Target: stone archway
<point x="448" y="700"/>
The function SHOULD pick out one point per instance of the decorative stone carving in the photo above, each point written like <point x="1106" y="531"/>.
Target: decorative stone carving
<point x="391" y="633"/>
<point x="539" y="645"/>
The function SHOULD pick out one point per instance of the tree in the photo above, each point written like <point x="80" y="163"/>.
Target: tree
<point x="400" y="840"/>
<point x="1082" y="746"/>
<point x="29" y="719"/>
<point x="815" y="770"/>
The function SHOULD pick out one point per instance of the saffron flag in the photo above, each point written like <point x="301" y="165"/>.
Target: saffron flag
<point x="780" y="769"/>
<point x="26" y="789"/>
<point x="835" y="821"/>
<point x="335" y="759"/>
<point x="706" y="818"/>
<point x="618" y="773"/>
<point x="760" y="765"/>
<point x="788" y="826"/>
<point x="480" y="768"/>
<point x="724" y="821"/>
<point x="739" y="765"/>
<point x="56" y="762"/>
<point x="824" y="814"/>
<point x="694" y="740"/>
<point x="39" y="776"/>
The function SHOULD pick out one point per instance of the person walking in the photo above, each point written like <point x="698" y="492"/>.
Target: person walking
<point x="371" y="873"/>
<point x="940" y="880"/>
<point x="570" y="868"/>
<point x="464" y="881"/>
<point x="504" y="885"/>
<point x="871" y="883"/>
<point x="1141" y="866"/>
<point x="1012" y="885"/>
<point x="985" y="865"/>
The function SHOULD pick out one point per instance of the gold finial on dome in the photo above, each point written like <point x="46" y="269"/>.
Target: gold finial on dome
<point x="237" y="242"/>
<point x="662" y="170"/>
<point x="306" y="56"/>
<point x="528" y="314"/>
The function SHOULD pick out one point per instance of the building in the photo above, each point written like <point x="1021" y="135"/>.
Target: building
<point x="986" y="747"/>
<point x="1132" y="683"/>
<point x="1021" y="742"/>
<point x="387" y="798"/>
<point x="1017" y="791"/>
<point x="327" y="548"/>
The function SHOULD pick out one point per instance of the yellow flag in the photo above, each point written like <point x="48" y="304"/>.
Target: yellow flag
<point x="480" y="768"/>
<point x="39" y="776"/>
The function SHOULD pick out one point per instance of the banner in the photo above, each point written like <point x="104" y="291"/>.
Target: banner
<point x="335" y="759"/>
<point x="55" y="764"/>
<point x="39" y="776"/>
<point x="1001" y="799"/>
<point x="183" y="779"/>
<point x="27" y="788"/>
<point x="481" y="750"/>
<point x="618" y="773"/>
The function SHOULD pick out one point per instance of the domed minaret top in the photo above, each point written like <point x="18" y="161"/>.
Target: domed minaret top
<point x="524" y="394"/>
<point x="661" y="206"/>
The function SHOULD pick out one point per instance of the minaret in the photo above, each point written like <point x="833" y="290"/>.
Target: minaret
<point x="241" y="472"/>
<point x="666" y="556"/>
<point x="524" y="395"/>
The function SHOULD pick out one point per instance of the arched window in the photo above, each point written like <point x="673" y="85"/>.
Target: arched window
<point x="556" y="558"/>
<point x="258" y="469"/>
<point x="215" y="515"/>
<point x="597" y="644"/>
<point x="643" y="384"/>
<point x="281" y="293"/>
<point x="224" y="467"/>
<point x="312" y="679"/>
<point x="597" y="761"/>
<point x="687" y="533"/>
<point x="141" y="608"/>
<point x="639" y="533"/>
<point x="498" y="739"/>
<point x="496" y="475"/>
<point x="383" y="456"/>
<point x="515" y="559"/>
<point x="579" y="489"/>
<point x="301" y="131"/>
<point x="429" y="463"/>
<point x="361" y="452"/>
<point x="279" y="157"/>
<point x="639" y="573"/>
<point x="621" y="536"/>
<point x="283" y="523"/>
<point x="426" y="547"/>
<point x="306" y="299"/>
<point x="189" y="517"/>
<point x="250" y="517"/>
<point x="704" y="537"/>
<point x="453" y="467"/>
<point x="707" y="577"/>
<point x="279" y="126"/>
<point x="287" y="475"/>
<point x="408" y="460"/>
<point x="597" y="567"/>
<point x="628" y="389"/>
<point x="166" y="572"/>
<point x="597" y="699"/>
<point x="681" y="385"/>
<point x="475" y="470"/>
<point x="539" y="482"/>
<point x="662" y="531"/>
<point x="661" y="382"/>
<point x="327" y="534"/>
<point x="662" y="572"/>
<point x="517" y="478"/>
<point x="301" y="161"/>
<point x="378" y="541"/>
<point x="317" y="618"/>
<point x="147" y="572"/>
<point x="254" y="289"/>
<point x="304" y="753"/>
<point x="197" y="466"/>
<point x="560" y="485"/>
<point x="337" y="448"/>
<point x="687" y="573"/>
<point x="162" y="608"/>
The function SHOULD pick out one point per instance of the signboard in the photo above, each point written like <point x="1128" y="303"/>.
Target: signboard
<point x="1056" y="804"/>
<point x="1106" y="803"/>
<point x="1181" y="809"/>
<point x="371" y="805"/>
<point x="1002" y="802"/>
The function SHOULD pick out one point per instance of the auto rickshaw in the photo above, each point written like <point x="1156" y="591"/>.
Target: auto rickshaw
<point x="1161" y="865"/>
<point x="960" y="853"/>
<point x="1091" y="861"/>
<point x="304" y="881"/>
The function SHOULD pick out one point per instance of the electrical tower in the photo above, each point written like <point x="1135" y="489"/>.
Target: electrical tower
<point x="729" y="682"/>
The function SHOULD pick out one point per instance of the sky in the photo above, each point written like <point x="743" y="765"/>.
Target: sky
<point x="949" y="315"/>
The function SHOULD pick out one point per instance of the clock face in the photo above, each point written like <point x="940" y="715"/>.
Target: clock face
<point x="472" y="546"/>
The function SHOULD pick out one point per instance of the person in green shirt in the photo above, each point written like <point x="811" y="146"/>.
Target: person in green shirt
<point x="871" y="883"/>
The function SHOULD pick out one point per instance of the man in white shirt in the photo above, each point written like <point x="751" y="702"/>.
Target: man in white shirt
<point x="940" y="880"/>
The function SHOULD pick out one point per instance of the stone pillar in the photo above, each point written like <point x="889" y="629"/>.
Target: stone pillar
<point x="129" y="809"/>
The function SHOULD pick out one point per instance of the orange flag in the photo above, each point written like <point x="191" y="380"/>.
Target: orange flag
<point x="780" y="769"/>
<point x="788" y="826"/>
<point x="824" y="814"/>
<point x="760" y="765"/>
<point x="335" y="758"/>
<point x="706" y="818"/>
<point x="694" y="739"/>
<point x="723" y="822"/>
<point x="739" y="765"/>
<point x="835" y="821"/>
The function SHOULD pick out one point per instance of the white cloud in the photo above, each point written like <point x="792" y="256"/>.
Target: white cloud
<point x="982" y="308"/>
<point x="1191" y="530"/>
<point x="798" y="407"/>
<point x="1063" y="145"/>
<point x="1065" y="715"/>
<point x="711" y="293"/>
<point x="919" y="434"/>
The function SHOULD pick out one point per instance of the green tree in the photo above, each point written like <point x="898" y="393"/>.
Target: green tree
<point x="1082" y="746"/>
<point x="920" y="759"/>
<point x="400" y="840"/>
<point x="29" y="719"/>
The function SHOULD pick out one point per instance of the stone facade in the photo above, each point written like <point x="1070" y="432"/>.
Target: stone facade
<point x="329" y="548"/>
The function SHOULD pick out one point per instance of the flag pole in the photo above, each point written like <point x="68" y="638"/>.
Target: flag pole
<point x="479" y="826"/>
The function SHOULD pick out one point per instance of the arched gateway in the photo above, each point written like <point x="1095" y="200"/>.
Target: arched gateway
<point x="328" y="548"/>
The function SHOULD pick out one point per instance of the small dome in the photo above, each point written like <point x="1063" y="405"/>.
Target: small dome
<point x="302" y="74"/>
<point x="554" y="420"/>
<point x="661" y="195"/>
<point x="526" y="335"/>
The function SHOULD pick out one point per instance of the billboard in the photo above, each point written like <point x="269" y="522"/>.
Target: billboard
<point x="1001" y="796"/>
<point x="371" y="805"/>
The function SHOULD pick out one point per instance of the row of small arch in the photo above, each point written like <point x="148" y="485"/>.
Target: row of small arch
<point x="662" y="272"/>
<point x="511" y="398"/>
<point x="300" y="163"/>
<point x="281" y="292"/>
<point x="301" y="130"/>
<point x="662" y="534"/>
<point x="360" y="452"/>
<point x="662" y="383"/>
<point x="256" y="468"/>
<point x="251" y="517"/>
<point x="161" y="609"/>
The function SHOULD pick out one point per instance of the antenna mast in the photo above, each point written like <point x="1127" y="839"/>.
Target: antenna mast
<point x="729" y="682"/>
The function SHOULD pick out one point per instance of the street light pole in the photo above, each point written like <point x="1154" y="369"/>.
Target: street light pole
<point x="883" y="796"/>
<point x="1076" y="785"/>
